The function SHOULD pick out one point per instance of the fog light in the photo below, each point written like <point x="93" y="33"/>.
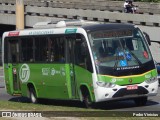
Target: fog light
<point x="114" y="89"/>
<point x="146" y="86"/>
<point x="106" y="95"/>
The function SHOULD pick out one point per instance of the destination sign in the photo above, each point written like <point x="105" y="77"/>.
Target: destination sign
<point x="112" y="33"/>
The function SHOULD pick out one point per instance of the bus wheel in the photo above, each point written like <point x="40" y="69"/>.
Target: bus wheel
<point x="33" y="97"/>
<point x="87" y="100"/>
<point x="141" y="101"/>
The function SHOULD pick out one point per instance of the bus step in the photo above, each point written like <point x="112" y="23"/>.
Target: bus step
<point x="17" y="94"/>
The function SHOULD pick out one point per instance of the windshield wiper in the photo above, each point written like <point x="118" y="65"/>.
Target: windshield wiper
<point x="139" y="62"/>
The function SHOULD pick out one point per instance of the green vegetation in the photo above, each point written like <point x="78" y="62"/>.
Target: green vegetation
<point x="8" y="105"/>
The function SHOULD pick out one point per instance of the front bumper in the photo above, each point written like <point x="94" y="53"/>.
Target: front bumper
<point x="121" y="92"/>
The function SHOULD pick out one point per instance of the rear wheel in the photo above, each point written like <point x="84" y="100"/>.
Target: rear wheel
<point x="141" y="101"/>
<point x="33" y="96"/>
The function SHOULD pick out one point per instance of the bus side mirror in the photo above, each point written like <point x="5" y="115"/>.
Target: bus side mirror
<point x="147" y="38"/>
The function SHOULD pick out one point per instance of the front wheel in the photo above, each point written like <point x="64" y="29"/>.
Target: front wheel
<point x="141" y="101"/>
<point x="86" y="99"/>
<point x="33" y="96"/>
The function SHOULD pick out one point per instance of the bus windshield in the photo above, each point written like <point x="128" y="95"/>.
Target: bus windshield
<point x="119" y="48"/>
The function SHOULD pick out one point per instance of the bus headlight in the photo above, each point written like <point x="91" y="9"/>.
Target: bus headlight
<point x="151" y="80"/>
<point x="105" y="84"/>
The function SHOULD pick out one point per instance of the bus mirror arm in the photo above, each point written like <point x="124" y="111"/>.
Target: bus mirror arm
<point x="155" y="41"/>
<point x="147" y="38"/>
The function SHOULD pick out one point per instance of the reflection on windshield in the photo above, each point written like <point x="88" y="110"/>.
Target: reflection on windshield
<point x="127" y="49"/>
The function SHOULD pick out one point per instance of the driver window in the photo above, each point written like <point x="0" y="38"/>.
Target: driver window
<point x="82" y="56"/>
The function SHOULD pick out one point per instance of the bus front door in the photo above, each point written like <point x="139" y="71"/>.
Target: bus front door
<point x="72" y="69"/>
<point x="13" y="59"/>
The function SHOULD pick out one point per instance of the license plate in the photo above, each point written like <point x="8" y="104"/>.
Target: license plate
<point x="132" y="87"/>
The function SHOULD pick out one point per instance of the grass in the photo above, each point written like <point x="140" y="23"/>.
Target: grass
<point x="35" y="107"/>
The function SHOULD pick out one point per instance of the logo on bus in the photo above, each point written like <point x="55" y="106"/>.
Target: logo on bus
<point x="24" y="73"/>
<point x="53" y="71"/>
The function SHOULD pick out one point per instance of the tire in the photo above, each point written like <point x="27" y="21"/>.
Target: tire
<point x="141" y="101"/>
<point x="87" y="100"/>
<point x="33" y="96"/>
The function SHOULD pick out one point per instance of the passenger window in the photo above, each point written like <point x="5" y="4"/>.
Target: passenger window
<point x="57" y="51"/>
<point x="27" y="50"/>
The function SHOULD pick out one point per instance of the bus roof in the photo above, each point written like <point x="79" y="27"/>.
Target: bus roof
<point x="69" y="29"/>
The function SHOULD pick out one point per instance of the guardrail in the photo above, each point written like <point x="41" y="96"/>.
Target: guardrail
<point x="96" y="10"/>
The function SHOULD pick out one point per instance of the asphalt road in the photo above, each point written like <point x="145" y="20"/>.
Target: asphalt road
<point x="153" y="103"/>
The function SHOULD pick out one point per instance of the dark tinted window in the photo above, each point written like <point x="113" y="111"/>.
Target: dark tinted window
<point x="26" y="49"/>
<point x="43" y="49"/>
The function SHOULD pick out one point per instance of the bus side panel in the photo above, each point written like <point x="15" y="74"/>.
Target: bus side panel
<point x="24" y="90"/>
<point x="49" y="81"/>
<point x="8" y="78"/>
<point x="54" y="81"/>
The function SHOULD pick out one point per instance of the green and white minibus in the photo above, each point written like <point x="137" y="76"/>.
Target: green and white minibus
<point x="78" y="60"/>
